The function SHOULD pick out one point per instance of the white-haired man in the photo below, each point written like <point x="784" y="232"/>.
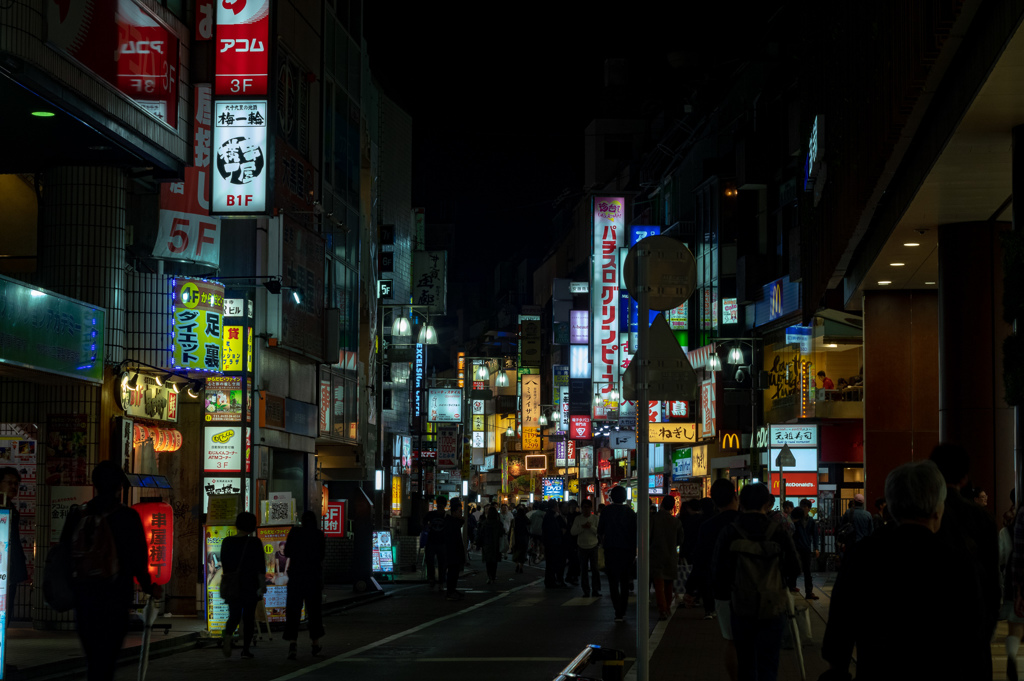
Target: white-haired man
<point x="890" y="590"/>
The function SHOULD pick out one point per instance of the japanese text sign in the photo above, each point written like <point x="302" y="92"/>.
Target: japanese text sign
<point x="669" y="433"/>
<point x="579" y="427"/>
<point x="334" y="521"/>
<point x="794" y="436"/>
<point x="429" y="279"/>
<point x="444" y="405"/>
<point x="531" y="399"/>
<point x="198" y="309"/>
<point x="608" y="237"/>
<point x="222" y="452"/>
<point x="243" y="47"/>
<point x="239" y="146"/>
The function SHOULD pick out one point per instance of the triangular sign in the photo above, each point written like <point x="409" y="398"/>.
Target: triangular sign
<point x="669" y="374"/>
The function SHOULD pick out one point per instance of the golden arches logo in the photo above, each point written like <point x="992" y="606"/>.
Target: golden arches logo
<point x="730" y="440"/>
<point x="776" y="302"/>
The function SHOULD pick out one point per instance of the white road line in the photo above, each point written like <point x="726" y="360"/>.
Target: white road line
<point x="394" y="637"/>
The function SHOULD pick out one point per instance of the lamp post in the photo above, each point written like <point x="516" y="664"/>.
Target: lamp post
<point x="735" y="358"/>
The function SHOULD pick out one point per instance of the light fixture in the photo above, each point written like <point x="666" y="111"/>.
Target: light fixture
<point x="378" y="480"/>
<point x="273" y="286"/>
<point x="465" y="488"/>
<point x="160" y="381"/>
<point x="542" y="420"/>
<point x="556" y="417"/>
<point x="192" y="387"/>
<point x="174" y="387"/>
<point x="736" y="355"/>
<point x="502" y="380"/>
<point x="400" y="327"/>
<point x="428" y="336"/>
<point x="133" y="382"/>
<point x="929" y="283"/>
<point x="714" y="363"/>
<point x="831" y="345"/>
<point x="884" y="283"/>
<point x="43" y="114"/>
<point x="482" y="372"/>
<point x="296" y="297"/>
<point x="911" y="244"/>
<point x="509" y="432"/>
<point x="897" y="264"/>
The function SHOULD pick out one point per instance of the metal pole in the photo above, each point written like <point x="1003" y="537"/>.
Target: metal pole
<point x="379" y="404"/>
<point x="246" y="401"/>
<point x="643" y="591"/>
<point x="1017" y="194"/>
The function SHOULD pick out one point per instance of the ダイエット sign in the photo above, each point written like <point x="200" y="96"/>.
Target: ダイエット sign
<point x="243" y="47"/>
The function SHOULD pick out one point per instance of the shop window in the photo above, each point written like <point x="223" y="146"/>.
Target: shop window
<point x="288" y="474"/>
<point x="853" y="475"/>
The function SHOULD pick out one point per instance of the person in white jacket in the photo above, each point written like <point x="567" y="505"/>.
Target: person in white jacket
<point x="584" y="528"/>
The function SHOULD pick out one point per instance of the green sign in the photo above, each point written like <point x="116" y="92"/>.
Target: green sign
<point x="48" y="332"/>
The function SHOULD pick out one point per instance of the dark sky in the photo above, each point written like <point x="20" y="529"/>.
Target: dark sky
<point x="500" y="95"/>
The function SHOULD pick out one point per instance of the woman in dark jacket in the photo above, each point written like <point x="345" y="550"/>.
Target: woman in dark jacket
<point x="305" y="548"/>
<point x="520" y="538"/>
<point x="489" y="539"/>
<point x="242" y="585"/>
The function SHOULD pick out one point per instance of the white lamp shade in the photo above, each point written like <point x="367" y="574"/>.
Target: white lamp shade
<point x="502" y="380"/>
<point x="482" y="373"/>
<point x="427" y="335"/>
<point x="542" y="420"/>
<point x="556" y="417"/>
<point x="714" y="364"/>
<point x="401" y="327"/>
<point x="736" y="356"/>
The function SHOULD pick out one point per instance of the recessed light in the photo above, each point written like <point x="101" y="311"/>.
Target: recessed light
<point x="929" y="283"/>
<point x="831" y="345"/>
<point x="884" y="283"/>
<point x="910" y="244"/>
<point x="897" y="264"/>
<point x="43" y="114"/>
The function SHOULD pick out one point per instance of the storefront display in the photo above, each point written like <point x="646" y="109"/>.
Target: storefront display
<point x="275" y="599"/>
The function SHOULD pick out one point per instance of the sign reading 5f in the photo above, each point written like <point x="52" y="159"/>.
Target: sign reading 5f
<point x="243" y="38"/>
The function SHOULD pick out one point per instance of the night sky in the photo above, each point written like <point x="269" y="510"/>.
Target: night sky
<point x="500" y="101"/>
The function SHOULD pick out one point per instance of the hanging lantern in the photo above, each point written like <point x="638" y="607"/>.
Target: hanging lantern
<point x="158" y="526"/>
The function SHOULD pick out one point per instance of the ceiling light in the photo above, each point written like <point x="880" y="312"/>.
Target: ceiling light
<point x="482" y="373"/>
<point x="831" y="345"/>
<point x="401" y="327"/>
<point x="174" y="387"/>
<point x="910" y="244"/>
<point x="192" y="388"/>
<point x="502" y="380"/>
<point x="43" y="114"/>
<point x="556" y="417"/>
<point x="884" y="283"/>
<point x="542" y="420"/>
<point x="428" y="336"/>
<point x="929" y="283"/>
<point x="159" y="381"/>
<point x="897" y="264"/>
<point x="509" y="432"/>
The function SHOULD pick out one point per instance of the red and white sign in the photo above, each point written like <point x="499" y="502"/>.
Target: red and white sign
<point x="579" y="427"/>
<point x="478" y="407"/>
<point x="147" y="62"/>
<point x="608" y="237"/>
<point x="707" y="408"/>
<point x="334" y="521"/>
<point x="448" y="446"/>
<point x="570" y="453"/>
<point x="243" y="47"/>
<point x="204" y="19"/>
<point x="654" y="412"/>
<point x="679" y="409"/>
<point x="797" y="484"/>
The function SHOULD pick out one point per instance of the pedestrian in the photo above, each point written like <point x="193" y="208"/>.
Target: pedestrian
<point x="17" y="570"/>
<point x="554" y="531"/>
<point x="572" y="556"/>
<point x="932" y="632"/>
<point x="472" y="524"/>
<point x="805" y="538"/>
<point x="455" y="546"/>
<point x="243" y="583"/>
<point x="489" y="533"/>
<point x="103" y="597"/>
<point x="305" y="548"/>
<point x="616" y="530"/>
<point x="754" y="560"/>
<point x="506" y="529"/>
<point x="520" y="538"/>
<point x="967" y="527"/>
<point x="855" y="524"/>
<point x="666" y="538"/>
<point x="436" y="552"/>
<point x="1012" y="583"/>
<point x="584" y="530"/>
<point x="536" y="517"/>
<point x="881" y="517"/>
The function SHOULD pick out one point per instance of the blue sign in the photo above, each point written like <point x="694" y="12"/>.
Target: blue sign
<point x="552" y="488"/>
<point x="638" y="232"/>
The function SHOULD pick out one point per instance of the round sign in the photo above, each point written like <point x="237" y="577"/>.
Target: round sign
<point x="671" y="272"/>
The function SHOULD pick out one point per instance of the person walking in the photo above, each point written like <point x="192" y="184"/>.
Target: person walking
<point x="17" y="570"/>
<point x="506" y="529"/>
<point x="436" y="554"/>
<point x="520" y="538"/>
<point x="666" y="538"/>
<point x="933" y="633"/>
<point x="754" y="560"/>
<point x="305" y="548"/>
<point x="857" y="518"/>
<point x="805" y="538"/>
<point x="616" y="530"/>
<point x="455" y="549"/>
<point x="103" y="597"/>
<point x="554" y="531"/>
<point x="584" y="530"/>
<point x="243" y="582"/>
<point x="536" y="517"/>
<point x="572" y="556"/>
<point x="489" y="534"/>
<point x="1011" y="582"/>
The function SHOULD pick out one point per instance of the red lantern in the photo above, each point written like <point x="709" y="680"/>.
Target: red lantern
<point x="158" y="525"/>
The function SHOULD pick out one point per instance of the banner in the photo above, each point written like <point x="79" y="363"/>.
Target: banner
<point x="198" y="309"/>
<point x="276" y="597"/>
<point x="240" y="142"/>
<point x="216" y="608"/>
<point x="444" y="405"/>
<point x="429" y="280"/>
<point x="607" y="239"/>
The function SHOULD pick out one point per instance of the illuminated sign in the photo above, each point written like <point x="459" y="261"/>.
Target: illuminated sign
<point x="579" y="326"/>
<point x="678" y="318"/>
<point x="793" y="458"/>
<point x="478" y="440"/>
<point x="419" y="368"/>
<point x="579" y="287"/>
<point x="730" y="311"/>
<point x="797" y="484"/>
<point x="552" y="487"/>
<point x="149" y="400"/>
<point x="334" y="520"/>
<point x="444" y="405"/>
<point x="730" y="441"/>
<point x="773" y="292"/>
<point x="536" y="462"/>
<point x="531" y="399"/>
<point x="579" y="361"/>
<point x="679" y="409"/>
<point x="707" y="408"/>
<point x="147" y="62"/>
<point x="243" y="47"/>
<point x="794" y="436"/>
<point x="158" y="527"/>
<point x="239" y="145"/>
<point x="608" y="237"/>
<point x="198" y="313"/>
<point x="679" y="433"/>
<point x="223" y="450"/>
<point x="383" y="559"/>
<point x="579" y="427"/>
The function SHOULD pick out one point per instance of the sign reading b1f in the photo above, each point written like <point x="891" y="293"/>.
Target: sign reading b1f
<point x="240" y="162"/>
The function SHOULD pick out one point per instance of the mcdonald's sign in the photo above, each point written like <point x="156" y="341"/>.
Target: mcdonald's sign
<point x="775" y="298"/>
<point x="730" y="441"/>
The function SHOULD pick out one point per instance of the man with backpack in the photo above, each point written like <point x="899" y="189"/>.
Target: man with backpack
<point x="754" y="561"/>
<point x="435" y="550"/>
<point x="108" y="548"/>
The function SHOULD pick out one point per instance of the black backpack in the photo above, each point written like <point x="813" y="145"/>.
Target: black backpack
<point x="758" y="589"/>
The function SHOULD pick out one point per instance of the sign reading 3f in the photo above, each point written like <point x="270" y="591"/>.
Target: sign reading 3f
<point x="243" y="42"/>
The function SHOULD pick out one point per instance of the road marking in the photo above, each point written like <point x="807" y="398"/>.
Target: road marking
<point x="655" y="641"/>
<point x="394" y="637"/>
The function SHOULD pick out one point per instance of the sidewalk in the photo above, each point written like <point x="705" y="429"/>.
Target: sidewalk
<point x="53" y="655"/>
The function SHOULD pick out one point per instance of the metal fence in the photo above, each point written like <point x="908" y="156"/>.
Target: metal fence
<point x="612" y="665"/>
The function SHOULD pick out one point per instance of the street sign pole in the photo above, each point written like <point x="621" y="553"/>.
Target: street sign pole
<point x="643" y="592"/>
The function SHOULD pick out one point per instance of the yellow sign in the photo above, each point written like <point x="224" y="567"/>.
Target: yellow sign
<point x="531" y="439"/>
<point x="231" y="355"/>
<point x="669" y="433"/>
<point x="396" y="496"/>
<point x="478" y="423"/>
<point x="221" y="438"/>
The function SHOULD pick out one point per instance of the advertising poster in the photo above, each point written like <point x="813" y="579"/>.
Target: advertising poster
<point x="608" y="237"/>
<point x="62" y="498"/>
<point x="66" y="436"/>
<point x="383" y="553"/>
<point x="243" y="47"/>
<point x="275" y="599"/>
<point x="231" y="354"/>
<point x="198" y="310"/>
<point x="222" y="450"/>
<point x="224" y="399"/>
<point x="444" y="405"/>
<point x="216" y="486"/>
<point x="239" y="145"/>
<point x="552" y="488"/>
<point x="216" y="608"/>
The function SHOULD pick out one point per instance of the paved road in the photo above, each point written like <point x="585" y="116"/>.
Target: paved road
<point x="515" y="630"/>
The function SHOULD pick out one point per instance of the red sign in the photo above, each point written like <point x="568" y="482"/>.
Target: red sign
<point x="243" y="47"/>
<point x="147" y="62"/>
<point x="579" y="427"/>
<point x="204" y="19"/>
<point x="334" y="521"/>
<point x="158" y="526"/>
<point x="679" y="409"/>
<point x="570" y="453"/>
<point x="654" y="412"/>
<point x="797" y="484"/>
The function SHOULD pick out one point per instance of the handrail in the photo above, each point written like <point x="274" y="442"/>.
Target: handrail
<point x="613" y="662"/>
